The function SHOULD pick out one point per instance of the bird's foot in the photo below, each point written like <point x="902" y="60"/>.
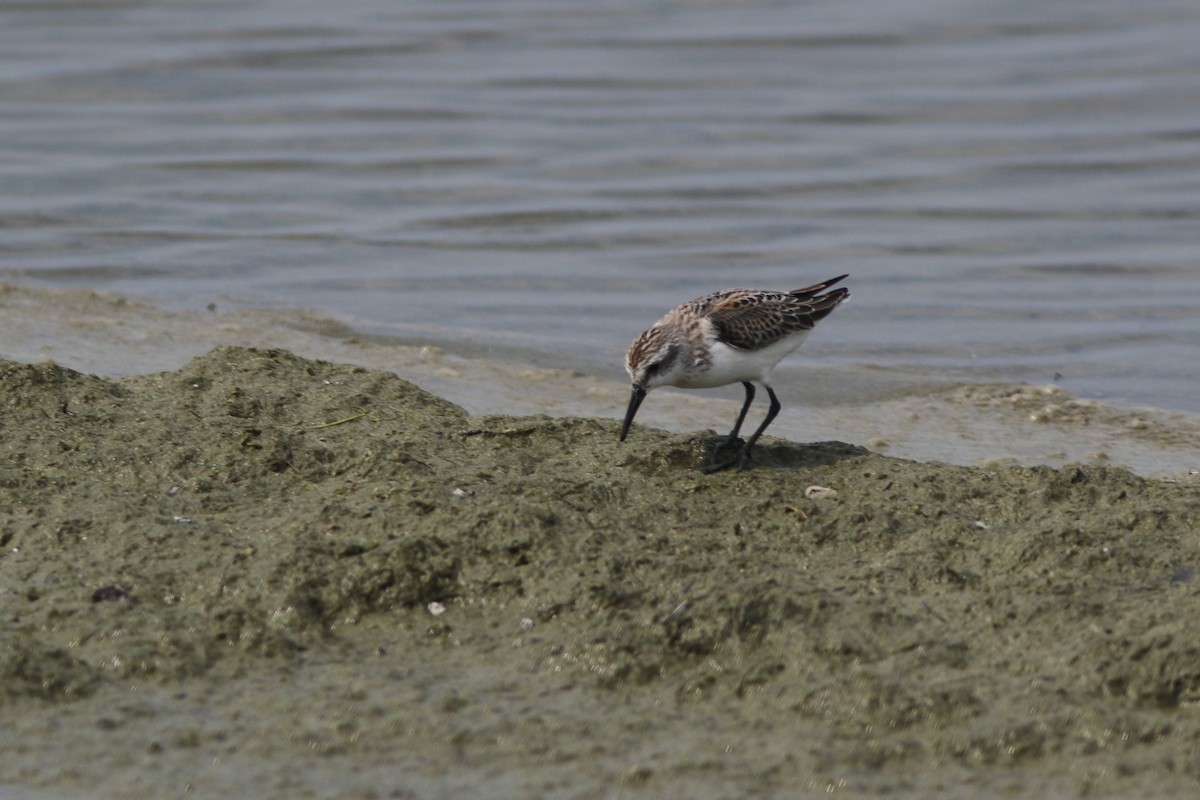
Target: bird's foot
<point x="725" y="442"/>
<point x="740" y="457"/>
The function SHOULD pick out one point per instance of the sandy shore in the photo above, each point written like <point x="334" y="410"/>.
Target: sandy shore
<point x="322" y="581"/>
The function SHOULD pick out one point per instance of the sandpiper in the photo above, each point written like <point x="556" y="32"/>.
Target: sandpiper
<point x="722" y="338"/>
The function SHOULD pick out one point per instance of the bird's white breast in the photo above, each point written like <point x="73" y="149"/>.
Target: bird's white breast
<point x="730" y="365"/>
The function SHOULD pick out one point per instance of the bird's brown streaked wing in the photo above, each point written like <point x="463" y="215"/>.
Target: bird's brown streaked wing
<point x="751" y="320"/>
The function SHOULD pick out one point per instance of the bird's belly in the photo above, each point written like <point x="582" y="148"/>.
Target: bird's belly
<point x="729" y="365"/>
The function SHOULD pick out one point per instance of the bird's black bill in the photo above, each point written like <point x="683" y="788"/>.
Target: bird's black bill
<point x="635" y="400"/>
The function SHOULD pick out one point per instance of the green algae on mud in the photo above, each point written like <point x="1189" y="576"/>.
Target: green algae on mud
<point x="255" y="513"/>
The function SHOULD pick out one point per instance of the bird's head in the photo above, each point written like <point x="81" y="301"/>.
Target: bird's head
<point x="654" y="359"/>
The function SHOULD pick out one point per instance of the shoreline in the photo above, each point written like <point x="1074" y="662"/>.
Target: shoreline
<point x="317" y="578"/>
<point x="907" y="417"/>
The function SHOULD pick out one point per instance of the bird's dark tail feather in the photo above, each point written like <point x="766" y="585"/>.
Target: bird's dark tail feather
<point x="811" y="291"/>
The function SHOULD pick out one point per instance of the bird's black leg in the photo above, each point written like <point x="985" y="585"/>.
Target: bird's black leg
<point x="771" y="413"/>
<point x="737" y="426"/>
<point x="723" y="442"/>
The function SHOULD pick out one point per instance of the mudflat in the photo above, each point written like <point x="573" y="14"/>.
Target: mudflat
<point x="261" y="573"/>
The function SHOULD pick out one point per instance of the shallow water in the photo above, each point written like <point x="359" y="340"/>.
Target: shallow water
<point x="1013" y="186"/>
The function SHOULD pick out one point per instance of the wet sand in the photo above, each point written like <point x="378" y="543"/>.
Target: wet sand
<point x="320" y="580"/>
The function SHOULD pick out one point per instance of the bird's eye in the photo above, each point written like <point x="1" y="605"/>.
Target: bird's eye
<point x="663" y="361"/>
